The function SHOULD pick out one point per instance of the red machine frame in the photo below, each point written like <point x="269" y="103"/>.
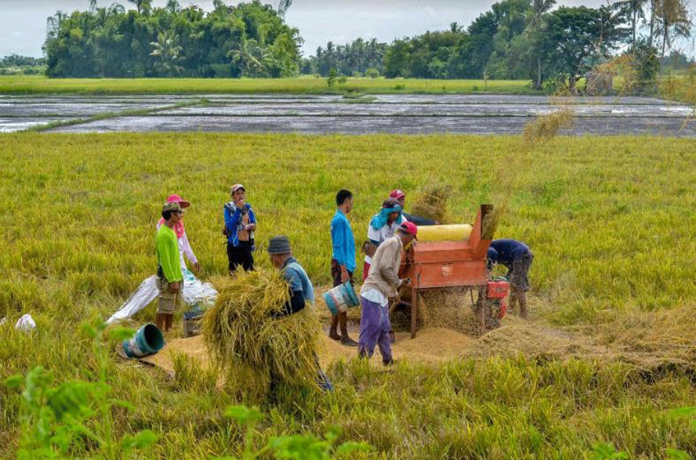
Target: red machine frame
<point x="448" y="264"/>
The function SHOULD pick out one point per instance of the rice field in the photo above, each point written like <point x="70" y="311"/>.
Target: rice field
<point x="34" y="84"/>
<point x="610" y="220"/>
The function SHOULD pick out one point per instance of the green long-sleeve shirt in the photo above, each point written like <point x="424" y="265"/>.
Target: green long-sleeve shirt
<point x="168" y="254"/>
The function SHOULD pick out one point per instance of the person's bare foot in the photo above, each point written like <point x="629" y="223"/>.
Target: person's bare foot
<point x="347" y="341"/>
<point x="334" y="336"/>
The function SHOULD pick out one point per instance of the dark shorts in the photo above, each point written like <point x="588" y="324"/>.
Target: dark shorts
<point x="240" y="255"/>
<point x="336" y="273"/>
<point x="517" y="275"/>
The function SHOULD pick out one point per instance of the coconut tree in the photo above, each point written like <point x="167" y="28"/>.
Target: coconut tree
<point x="168" y="52"/>
<point x="248" y="56"/>
<point x="536" y="22"/>
<point x="636" y="9"/>
<point x="672" y="20"/>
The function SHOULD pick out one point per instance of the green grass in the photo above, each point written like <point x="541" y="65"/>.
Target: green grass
<point x="610" y="221"/>
<point x="299" y="85"/>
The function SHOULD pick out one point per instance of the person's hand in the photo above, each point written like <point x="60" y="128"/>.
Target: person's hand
<point x="406" y="282"/>
<point x="344" y="275"/>
<point x="225" y="232"/>
<point x="250" y="227"/>
<point x="197" y="267"/>
<point x="174" y="287"/>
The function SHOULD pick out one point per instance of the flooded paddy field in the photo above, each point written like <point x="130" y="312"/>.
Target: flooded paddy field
<point x="397" y="114"/>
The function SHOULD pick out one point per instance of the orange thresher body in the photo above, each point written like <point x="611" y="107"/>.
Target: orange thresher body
<point x="449" y="264"/>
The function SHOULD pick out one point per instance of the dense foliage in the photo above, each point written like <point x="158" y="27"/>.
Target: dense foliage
<point x="230" y="41"/>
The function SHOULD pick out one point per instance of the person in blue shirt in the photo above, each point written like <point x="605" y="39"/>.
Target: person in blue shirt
<point x="342" y="261"/>
<point x="301" y="292"/>
<point x="517" y="257"/>
<point x="240" y="224"/>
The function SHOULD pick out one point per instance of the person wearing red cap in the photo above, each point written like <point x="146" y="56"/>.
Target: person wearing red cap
<point x="400" y="196"/>
<point x="381" y="284"/>
<point x="182" y="239"/>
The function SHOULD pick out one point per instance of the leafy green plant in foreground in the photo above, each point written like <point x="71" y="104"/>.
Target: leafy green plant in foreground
<point x="288" y="447"/>
<point x="74" y="416"/>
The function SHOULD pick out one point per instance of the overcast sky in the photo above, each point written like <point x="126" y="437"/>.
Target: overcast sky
<point x="23" y="22"/>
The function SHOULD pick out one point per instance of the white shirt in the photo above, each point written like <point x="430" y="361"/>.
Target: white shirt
<point x="373" y="295"/>
<point x="382" y="234"/>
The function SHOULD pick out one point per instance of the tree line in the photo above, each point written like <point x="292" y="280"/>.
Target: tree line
<point x="524" y="39"/>
<point x="517" y="39"/>
<point x="250" y="39"/>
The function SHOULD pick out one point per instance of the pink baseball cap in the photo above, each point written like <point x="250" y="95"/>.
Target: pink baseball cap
<point x="177" y="199"/>
<point x="398" y="194"/>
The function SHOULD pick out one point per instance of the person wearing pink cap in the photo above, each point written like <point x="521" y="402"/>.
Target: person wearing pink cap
<point x="400" y="196"/>
<point x="180" y="231"/>
<point x="381" y="284"/>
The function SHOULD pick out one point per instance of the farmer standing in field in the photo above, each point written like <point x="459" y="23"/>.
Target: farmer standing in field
<point x="301" y="290"/>
<point x="381" y="284"/>
<point x="182" y="239"/>
<point x="170" y="281"/>
<point x="517" y="257"/>
<point x="382" y="226"/>
<point x="342" y="260"/>
<point x="400" y="196"/>
<point x="240" y="224"/>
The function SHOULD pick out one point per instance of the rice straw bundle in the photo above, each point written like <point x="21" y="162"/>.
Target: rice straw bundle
<point x="432" y="204"/>
<point x="252" y="346"/>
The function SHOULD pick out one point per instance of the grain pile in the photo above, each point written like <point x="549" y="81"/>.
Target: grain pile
<point x="251" y="346"/>
<point x="432" y="204"/>
<point x="450" y="309"/>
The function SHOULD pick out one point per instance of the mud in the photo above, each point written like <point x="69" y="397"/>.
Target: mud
<point x="309" y="114"/>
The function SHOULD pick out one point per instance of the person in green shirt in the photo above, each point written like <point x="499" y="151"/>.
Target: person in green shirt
<point x="170" y="281"/>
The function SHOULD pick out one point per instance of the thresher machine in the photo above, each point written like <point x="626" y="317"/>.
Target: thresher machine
<point x="456" y="261"/>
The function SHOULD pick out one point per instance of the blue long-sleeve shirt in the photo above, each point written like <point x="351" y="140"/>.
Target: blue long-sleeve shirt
<point x="233" y="221"/>
<point x="343" y="241"/>
<point x="505" y="251"/>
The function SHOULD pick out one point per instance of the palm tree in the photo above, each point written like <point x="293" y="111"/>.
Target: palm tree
<point x="635" y="8"/>
<point x="249" y="55"/>
<point x="536" y="22"/>
<point x="168" y="51"/>
<point x="143" y="6"/>
<point x="673" y="20"/>
<point x="283" y="7"/>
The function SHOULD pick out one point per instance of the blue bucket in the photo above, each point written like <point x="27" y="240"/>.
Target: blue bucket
<point x="340" y="298"/>
<point x="147" y="341"/>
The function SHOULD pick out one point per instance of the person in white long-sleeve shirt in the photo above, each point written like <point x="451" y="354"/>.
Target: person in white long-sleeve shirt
<point x="184" y="245"/>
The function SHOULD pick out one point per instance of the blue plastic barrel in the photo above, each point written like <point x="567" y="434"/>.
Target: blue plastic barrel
<point x="147" y="341"/>
<point x="341" y="298"/>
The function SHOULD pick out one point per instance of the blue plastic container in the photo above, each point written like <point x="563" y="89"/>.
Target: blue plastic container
<point x="340" y="298"/>
<point x="147" y="341"/>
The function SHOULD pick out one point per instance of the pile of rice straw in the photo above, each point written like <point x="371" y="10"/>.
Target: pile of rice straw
<point x="250" y="345"/>
<point x="432" y="204"/>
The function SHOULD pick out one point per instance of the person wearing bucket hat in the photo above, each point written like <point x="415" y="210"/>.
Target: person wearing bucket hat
<point x="342" y="261"/>
<point x="240" y="225"/>
<point x="400" y="196"/>
<point x="301" y="291"/>
<point x="383" y="225"/>
<point x="170" y="280"/>
<point x="182" y="239"/>
<point x="301" y="288"/>
<point x="381" y="284"/>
